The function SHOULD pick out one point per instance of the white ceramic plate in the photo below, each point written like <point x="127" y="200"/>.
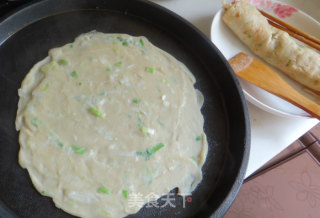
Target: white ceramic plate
<point x="230" y="45"/>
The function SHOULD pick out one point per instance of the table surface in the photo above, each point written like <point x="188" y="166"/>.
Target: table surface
<point x="270" y="134"/>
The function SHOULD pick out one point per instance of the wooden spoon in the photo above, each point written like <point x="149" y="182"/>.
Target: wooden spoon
<point x="264" y="77"/>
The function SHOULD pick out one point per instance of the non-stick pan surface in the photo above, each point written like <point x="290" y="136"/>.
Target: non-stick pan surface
<point x="28" y="34"/>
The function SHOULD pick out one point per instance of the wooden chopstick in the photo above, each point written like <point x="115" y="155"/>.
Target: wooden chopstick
<point x="297" y="36"/>
<point x="293" y="31"/>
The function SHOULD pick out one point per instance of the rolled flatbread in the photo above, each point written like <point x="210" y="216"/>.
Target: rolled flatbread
<point x="273" y="45"/>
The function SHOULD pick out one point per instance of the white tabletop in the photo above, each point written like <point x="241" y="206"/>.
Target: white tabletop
<point x="270" y="134"/>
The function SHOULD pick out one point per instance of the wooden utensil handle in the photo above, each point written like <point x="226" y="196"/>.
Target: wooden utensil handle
<point x="264" y="77"/>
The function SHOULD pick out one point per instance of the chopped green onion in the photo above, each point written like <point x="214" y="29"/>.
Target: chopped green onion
<point x="34" y="122"/>
<point x="119" y="38"/>
<point x="119" y="63"/>
<point x="136" y="101"/>
<point x="150" y="69"/>
<point x="45" y="192"/>
<point x="106" y="213"/>
<point x="74" y="74"/>
<point x="125" y="43"/>
<point x="125" y="193"/>
<point x="156" y="148"/>
<point x="165" y="81"/>
<point x="108" y="69"/>
<point x="71" y="45"/>
<point x="115" y="49"/>
<point x="194" y="159"/>
<point x="77" y="98"/>
<point x="139" y="122"/>
<point x="143" y="130"/>
<point x="149" y="152"/>
<point x="50" y="66"/>
<point x="103" y="190"/>
<point x="78" y="150"/>
<point x="45" y="88"/>
<point x="148" y="176"/>
<point x="96" y="112"/>
<point x="160" y="123"/>
<point x="198" y="138"/>
<point x="141" y="42"/>
<point x="60" y="144"/>
<point x="139" y="153"/>
<point x="174" y="80"/>
<point x="63" y="62"/>
<point x="103" y="93"/>
<point x="79" y="83"/>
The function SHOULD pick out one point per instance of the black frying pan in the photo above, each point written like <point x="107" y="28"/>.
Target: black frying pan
<point x="28" y="34"/>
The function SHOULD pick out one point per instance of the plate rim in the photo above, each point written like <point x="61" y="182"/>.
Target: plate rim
<point x="217" y="19"/>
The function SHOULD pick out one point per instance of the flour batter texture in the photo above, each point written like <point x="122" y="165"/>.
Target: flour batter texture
<point x="108" y="117"/>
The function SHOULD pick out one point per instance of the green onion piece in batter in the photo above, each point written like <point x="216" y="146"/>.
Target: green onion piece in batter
<point x="79" y="83"/>
<point x="60" y="144"/>
<point x="74" y="74"/>
<point x="119" y="63"/>
<point x="194" y="159"/>
<point x="125" y="43"/>
<point x="139" y="153"/>
<point x="160" y="123"/>
<point x="50" y="66"/>
<point x="103" y="190"/>
<point x="45" y="88"/>
<point x="34" y="122"/>
<point x="140" y="124"/>
<point x="198" y="138"/>
<point x="148" y="153"/>
<point x="71" y="45"/>
<point x="141" y="42"/>
<point x="96" y="112"/>
<point x="103" y="93"/>
<point x="45" y="193"/>
<point x="148" y="176"/>
<point x="156" y="148"/>
<point x="63" y="62"/>
<point x="78" y="150"/>
<point x="108" y="69"/>
<point x="106" y="213"/>
<point x="120" y="38"/>
<point x="143" y="129"/>
<point x="116" y="49"/>
<point x="125" y="193"/>
<point x="150" y="69"/>
<point x="165" y="81"/>
<point x="136" y="101"/>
